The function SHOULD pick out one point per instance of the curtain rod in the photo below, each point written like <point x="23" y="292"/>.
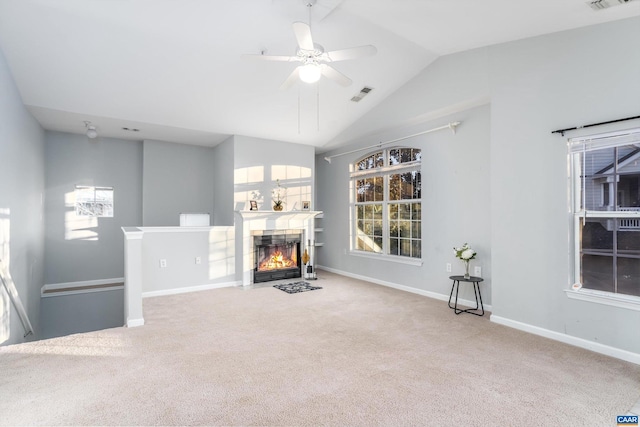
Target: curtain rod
<point x="562" y="131"/>
<point x="451" y="125"/>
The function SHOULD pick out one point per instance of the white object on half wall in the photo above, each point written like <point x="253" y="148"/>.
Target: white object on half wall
<point x="194" y="220"/>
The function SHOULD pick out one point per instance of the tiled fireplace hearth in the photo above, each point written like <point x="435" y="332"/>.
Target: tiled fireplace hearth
<point x="285" y="227"/>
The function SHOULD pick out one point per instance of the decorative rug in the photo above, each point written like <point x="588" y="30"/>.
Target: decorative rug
<point x="296" y="287"/>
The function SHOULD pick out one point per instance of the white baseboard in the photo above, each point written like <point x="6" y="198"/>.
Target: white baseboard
<point x="435" y="295"/>
<point x="132" y="323"/>
<point x="82" y="287"/>
<point x="568" y="339"/>
<point x="557" y="336"/>
<point x="176" y="291"/>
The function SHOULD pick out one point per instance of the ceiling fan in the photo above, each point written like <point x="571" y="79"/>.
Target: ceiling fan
<point x="314" y="59"/>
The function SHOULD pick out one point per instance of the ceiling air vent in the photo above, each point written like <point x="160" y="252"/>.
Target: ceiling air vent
<point x="363" y="92"/>
<point x="605" y="4"/>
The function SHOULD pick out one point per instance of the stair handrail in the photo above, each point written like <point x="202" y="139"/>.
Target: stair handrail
<point x="10" y="287"/>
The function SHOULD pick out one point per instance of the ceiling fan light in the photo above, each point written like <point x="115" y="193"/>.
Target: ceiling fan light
<point x="310" y="73"/>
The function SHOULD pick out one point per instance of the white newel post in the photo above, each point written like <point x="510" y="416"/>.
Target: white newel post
<point x="133" y="277"/>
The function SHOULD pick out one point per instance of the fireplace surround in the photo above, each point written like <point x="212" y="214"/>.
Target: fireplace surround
<point x="254" y="223"/>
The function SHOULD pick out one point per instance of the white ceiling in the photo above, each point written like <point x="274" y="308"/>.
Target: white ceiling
<point x="174" y="68"/>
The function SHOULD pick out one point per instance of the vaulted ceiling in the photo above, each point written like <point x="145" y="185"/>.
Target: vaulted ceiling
<point x="174" y="69"/>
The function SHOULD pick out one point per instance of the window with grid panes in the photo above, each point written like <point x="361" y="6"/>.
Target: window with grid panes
<point x="605" y="175"/>
<point x="387" y="203"/>
<point x="94" y="201"/>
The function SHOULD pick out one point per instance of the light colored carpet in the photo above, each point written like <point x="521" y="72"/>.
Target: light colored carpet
<point x="352" y="353"/>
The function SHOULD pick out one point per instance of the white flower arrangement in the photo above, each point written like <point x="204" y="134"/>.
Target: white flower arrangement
<point x="465" y="253"/>
<point x="278" y="196"/>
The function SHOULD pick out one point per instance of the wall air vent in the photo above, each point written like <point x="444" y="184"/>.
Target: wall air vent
<point x="605" y="4"/>
<point x="363" y="92"/>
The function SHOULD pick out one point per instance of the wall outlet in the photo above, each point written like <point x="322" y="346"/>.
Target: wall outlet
<point x="163" y="263"/>
<point x="448" y="267"/>
<point x="477" y="271"/>
<point x="198" y="260"/>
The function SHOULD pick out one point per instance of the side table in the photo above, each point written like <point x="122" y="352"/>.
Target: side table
<point x="476" y="290"/>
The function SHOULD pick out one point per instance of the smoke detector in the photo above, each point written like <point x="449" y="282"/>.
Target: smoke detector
<point x="605" y="4"/>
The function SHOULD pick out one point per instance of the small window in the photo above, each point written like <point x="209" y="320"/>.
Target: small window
<point x="94" y="201"/>
<point x="370" y="162"/>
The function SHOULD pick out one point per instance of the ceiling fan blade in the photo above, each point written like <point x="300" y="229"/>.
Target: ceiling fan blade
<point x="303" y="35"/>
<point x="352" y="53"/>
<point x="335" y="75"/>
<point x="293" y="78"/>
<point x="271" y="57"/>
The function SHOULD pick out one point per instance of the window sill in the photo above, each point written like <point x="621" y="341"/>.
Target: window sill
<point x="607" y="298"/>
<point x="391" y="258"/>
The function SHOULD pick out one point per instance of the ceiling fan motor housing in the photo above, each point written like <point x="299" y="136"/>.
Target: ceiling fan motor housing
<point x="312" y="57"/>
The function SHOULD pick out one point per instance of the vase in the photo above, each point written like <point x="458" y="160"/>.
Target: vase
<point x="466" y="269"/>
<point x="277" y="208"/>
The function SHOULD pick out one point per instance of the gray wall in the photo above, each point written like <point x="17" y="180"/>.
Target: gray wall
<point x="263" y="161"/>
<point x="21" y="193"/>
<point x="455" y="200"/>
<point x="222" y="166"/>
<point x="538" y="85"/>
<point x="177" y="178"/>
<point x="535" y="86"/>
<point x="179" y="247"/>
<point x="73" y="314"/>
<point x="79" y="249"/>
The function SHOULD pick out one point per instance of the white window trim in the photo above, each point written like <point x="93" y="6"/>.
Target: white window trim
<point x="384" y="172"/>
<point x="629" y="302"/>
<point x="393" y="258"/>
<point x="581" y="144"/>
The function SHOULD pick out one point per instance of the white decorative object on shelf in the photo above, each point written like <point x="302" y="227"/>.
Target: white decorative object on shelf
<point x="278" y="195"/>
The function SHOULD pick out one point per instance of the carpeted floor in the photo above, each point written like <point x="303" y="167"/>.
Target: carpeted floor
<point x="352" y="354"/>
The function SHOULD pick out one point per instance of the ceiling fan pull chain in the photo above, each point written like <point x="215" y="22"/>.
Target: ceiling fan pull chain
<point x="298" y="110"/>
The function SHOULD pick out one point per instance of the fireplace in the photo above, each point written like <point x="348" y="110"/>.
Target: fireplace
<point x="276" y="256"/>
<point x="250" y="224"/>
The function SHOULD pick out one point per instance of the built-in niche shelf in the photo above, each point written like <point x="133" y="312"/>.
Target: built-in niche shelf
<point x="318" y="228"/>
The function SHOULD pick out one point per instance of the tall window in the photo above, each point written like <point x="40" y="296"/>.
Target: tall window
<point x="605" y="174"/>
<point x="387" y="203"/>
<point x="94" y="201"/>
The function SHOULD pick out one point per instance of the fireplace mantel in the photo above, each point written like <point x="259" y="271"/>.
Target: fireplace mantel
<point x="271" y="220"/>
<point x="250" y="221"/>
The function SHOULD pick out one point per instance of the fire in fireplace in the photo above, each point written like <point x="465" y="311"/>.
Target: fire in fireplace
<point x="276" y="259"/>
<point x="277" y="256"/>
